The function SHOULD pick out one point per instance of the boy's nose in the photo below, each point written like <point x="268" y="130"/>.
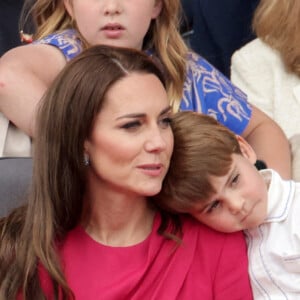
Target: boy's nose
<point x="236" y="205"/>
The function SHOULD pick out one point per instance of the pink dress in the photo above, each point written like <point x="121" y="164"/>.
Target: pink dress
<point x="207" y="265"/>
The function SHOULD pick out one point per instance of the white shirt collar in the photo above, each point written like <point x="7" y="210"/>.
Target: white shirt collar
<point x="280" y="195"/>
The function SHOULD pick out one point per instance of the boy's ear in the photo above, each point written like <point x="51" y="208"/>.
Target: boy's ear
<point x="246" y="149"/>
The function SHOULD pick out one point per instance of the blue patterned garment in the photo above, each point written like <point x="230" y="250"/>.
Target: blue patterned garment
<point x="66" y="41"/>
<point x="206" y="90"/>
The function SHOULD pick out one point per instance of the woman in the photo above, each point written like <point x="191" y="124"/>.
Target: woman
<point x="90" y="230"/>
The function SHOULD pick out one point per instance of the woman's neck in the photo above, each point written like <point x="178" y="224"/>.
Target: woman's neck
<point x="118" y="220"/>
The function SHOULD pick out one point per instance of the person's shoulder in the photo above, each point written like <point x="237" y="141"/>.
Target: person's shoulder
<point x="257" y="49"/>
<point x="196" y="60"/>
<point x="256" y="43"/>
<point x="13" y="54"/>
<point x="31" y="55"/>
<point x="28" y="62"/>
<point x="17" y="60"/>
<point x="67" y="41"/>
<point x="59" y="37"/>
<point x="23" y="54"/>
<point x="207" y="235"/>
<point x="201" y="68"/>
<point x="213" y="246"/>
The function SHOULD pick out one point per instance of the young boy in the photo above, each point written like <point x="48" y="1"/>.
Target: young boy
<point x="212" y="176"/>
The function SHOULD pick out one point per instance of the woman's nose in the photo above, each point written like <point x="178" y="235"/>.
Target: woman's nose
<point x="156" y="141"/>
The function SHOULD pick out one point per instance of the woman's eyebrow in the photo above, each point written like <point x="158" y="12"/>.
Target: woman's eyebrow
<point x="166" y="110"/>
<point x="133" y="115"/>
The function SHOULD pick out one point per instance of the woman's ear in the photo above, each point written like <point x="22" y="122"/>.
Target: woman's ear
<point x="246" y="149"/>
<point x="157" y="9"/>
<point x="69" y="7"/>
<point x="86" y="145"/>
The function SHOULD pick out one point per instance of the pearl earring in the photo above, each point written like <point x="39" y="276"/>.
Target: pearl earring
<point x="86" y="159"/>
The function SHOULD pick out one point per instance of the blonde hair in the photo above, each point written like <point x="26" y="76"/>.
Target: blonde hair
<point x="277" y="23"/>
<point x="171" y="49"/>
<point x="48" y="16"/>
<point x="163" y="36"/>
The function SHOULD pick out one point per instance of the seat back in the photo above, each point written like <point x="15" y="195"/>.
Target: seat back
<point x="15" y="179"/>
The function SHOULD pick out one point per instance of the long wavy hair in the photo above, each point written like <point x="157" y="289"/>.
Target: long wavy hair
<point x="30" y="236"/>
<point x="276" y="22"/>
<point x="163" y="37"/>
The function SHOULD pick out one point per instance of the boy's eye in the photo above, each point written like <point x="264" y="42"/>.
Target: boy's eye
<point x="235" y="179"/>
<point x="131" y="125"/>
<point x="215" y="204"/>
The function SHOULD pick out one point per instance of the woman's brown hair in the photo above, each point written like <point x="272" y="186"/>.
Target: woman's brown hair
<point x="30" y="236"/>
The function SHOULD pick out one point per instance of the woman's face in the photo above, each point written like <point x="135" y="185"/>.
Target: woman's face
<point x="131" y="142"/>
<point x="122" y="23"/>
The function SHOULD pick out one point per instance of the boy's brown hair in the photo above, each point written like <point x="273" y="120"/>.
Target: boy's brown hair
<point x="202" y="148"/>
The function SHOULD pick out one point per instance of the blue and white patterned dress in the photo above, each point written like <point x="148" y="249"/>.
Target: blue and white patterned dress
<point x="206" y="90"/>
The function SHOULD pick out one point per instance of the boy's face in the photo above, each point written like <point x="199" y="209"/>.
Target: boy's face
<point x="240" y="201"/>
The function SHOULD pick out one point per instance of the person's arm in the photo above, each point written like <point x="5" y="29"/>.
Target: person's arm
<point x="232" y="279"/>
<point x="269" y="142"/>
<point x="212" y="93"/>
<point x="25" y="74"/>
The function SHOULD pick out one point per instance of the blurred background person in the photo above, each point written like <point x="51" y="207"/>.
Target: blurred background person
<point x="218" y="28"/>
<point x="268" y="68"/>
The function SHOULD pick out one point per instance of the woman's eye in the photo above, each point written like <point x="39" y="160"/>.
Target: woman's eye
<point x="166" y="122"/>
<point x="213" y="206"/>
<point x="131" y="125"/>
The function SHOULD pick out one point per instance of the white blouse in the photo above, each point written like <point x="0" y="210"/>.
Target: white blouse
<point x="258" y="70"/>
